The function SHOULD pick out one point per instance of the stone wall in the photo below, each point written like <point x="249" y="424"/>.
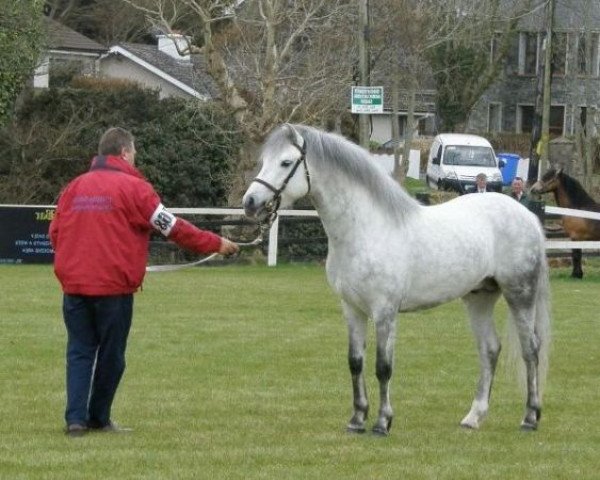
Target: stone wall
<point x="562" y="153"/>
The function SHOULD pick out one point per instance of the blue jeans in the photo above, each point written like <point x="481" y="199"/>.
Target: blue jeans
<point x="97" y="329"/>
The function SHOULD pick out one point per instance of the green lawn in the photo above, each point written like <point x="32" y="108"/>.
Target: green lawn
<point x="240" y="372"/>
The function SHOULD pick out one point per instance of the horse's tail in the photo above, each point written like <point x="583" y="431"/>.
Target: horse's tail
<point x="541" y="315"/>
<point x="542" y="323"/>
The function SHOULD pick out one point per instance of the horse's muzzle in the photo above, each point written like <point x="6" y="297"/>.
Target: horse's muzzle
<point x="256" y="209"/>
<point x="251" y="206"/>
<point x="537" y="187"/>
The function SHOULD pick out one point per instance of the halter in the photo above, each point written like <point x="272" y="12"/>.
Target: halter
<point x="273" y="205"/>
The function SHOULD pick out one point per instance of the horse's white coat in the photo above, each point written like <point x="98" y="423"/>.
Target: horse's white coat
<point x="387" y="253"/>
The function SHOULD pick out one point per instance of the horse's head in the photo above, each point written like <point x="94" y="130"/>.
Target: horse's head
<point x="283" y="177"/>
<point x="549" y="181"/>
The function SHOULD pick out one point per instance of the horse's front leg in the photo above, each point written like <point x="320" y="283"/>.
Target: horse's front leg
<point x="385" y="327"/>
<point x="357" y="331"/>
<point x="576" y="260"/>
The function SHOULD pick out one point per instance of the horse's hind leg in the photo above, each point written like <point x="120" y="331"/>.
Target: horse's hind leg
<point x="576" y="260"/>
<point x="357" y="331"/>
<point x="523" y="315"/>
<point x="480" y="306"/>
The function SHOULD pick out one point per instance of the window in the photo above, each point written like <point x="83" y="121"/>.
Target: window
<point x="581" y="119"/>
<point x="585" y="55"/>
<point x="494" y="117"/>
<point x="559" y="53"/>
<point x="557" y="120"/>
<point x="62" y="71"/>
<point x="528" y="53"/>
<point x="526" y="115"/>
<point x="495" y="45"/>
<point x="469" y="156"/>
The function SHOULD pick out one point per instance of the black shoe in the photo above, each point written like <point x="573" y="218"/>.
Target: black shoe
<point x="76" y="430"/>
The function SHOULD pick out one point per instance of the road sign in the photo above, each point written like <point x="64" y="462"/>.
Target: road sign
<point x="367" y="99"/>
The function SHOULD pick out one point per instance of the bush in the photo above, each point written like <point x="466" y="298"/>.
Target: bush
<point x="186" y="149"/>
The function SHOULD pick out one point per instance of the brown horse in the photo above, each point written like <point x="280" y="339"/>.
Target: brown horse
<point x="569" y="193"/>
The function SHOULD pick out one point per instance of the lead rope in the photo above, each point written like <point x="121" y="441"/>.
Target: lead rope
<point x="274" y="207"/>
<point x="180" y="266"/>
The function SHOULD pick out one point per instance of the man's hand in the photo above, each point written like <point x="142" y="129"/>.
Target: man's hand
<point x="228" y="247"/>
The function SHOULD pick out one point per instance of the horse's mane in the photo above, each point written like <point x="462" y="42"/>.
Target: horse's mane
<point x="577" y="193"/>
<point x="340" y="154"/>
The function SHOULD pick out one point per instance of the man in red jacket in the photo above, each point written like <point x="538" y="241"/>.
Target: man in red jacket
<point x="100" y="234"/>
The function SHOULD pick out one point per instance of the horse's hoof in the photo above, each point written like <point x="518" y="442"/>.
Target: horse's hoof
<point x="355" y="429"/>
<point x="469" y="426"/>
<point x="380" y="431"/>
<point x="528" y="427"/>
<point x="382" y="428"/>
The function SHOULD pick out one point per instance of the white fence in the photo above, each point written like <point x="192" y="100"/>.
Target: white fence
<point x="567" y="244"/>
<point x="274" y="231"/>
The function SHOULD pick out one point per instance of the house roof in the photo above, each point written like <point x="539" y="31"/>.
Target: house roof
<point x="190" y="76"/>
<point x="61" y="37"/>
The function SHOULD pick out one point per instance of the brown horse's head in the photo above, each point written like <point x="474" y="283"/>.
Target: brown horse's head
<point x="549" y="182"/>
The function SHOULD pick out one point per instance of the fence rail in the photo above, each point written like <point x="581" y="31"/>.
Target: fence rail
<point x="273" y="232"/>
<point x="273" y="239"/>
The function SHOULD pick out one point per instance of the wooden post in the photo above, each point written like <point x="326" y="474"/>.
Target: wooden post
<point x="364" y="120"/>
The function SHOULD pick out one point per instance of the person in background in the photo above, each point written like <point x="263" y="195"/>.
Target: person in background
<point x="480" y="183"/>
<point x="518" y="193"/>
<point x="100" y="234"/>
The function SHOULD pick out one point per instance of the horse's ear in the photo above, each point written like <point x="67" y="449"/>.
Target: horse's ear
<point x="294" y="135"/>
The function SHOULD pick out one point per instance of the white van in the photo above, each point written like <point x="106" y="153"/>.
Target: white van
<point x="456" y="159"/>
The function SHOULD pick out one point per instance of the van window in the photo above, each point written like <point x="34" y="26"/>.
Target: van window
<point x="469" y="156"/>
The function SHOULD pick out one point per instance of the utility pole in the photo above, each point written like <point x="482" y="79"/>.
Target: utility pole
<point x="364" y="62"/>
<point x="540" y="134"/>
<point x="547" y="88"/>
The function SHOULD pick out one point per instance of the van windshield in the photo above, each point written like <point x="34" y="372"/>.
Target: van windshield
<point x="469" y="156"/>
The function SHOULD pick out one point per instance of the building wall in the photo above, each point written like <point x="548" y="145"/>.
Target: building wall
<point x="513" y="89"/>
<point x="119" y="67"/>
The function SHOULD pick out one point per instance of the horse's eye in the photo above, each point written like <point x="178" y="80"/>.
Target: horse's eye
<point x="286" y="163"/>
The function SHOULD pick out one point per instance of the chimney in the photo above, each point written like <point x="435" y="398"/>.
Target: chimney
<point x="169" y="43"/>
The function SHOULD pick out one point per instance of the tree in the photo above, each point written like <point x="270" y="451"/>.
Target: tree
<point x="273" y="61"/>
<point x="467" y="58"/>
<point x="584" y="62"/>
<point x="106" y="21"/>
<point x="400" y="35"/>
<point x="21" y="40"/>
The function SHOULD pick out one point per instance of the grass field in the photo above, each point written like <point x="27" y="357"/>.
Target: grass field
<point x="241" y="373"/>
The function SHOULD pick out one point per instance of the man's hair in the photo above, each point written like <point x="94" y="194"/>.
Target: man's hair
<point x="481" y="176"/>
<point x="517" y="178"/>
<point x="114" y="140"/>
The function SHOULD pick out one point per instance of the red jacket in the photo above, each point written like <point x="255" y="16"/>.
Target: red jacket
<point x="101" y="230"/>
